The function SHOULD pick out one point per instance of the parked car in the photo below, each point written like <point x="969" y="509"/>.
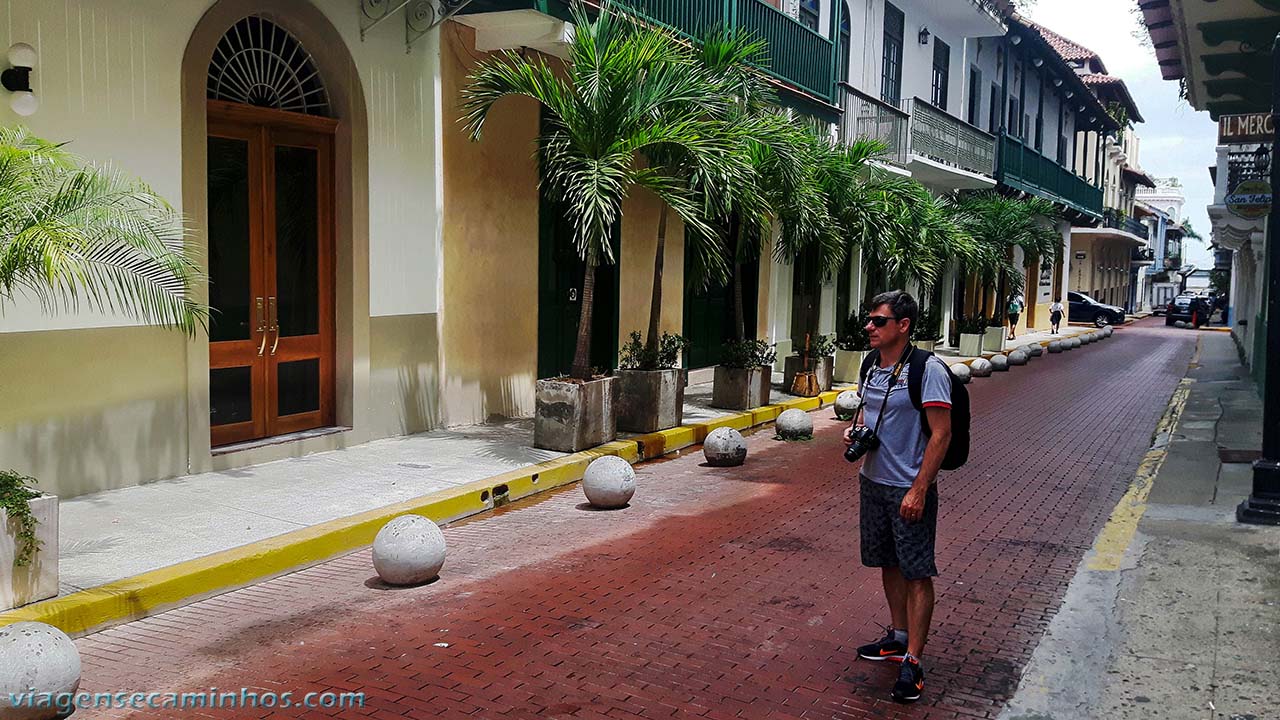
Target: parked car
<point x="1188" y="307"/>
<point x="1082" y="308"/>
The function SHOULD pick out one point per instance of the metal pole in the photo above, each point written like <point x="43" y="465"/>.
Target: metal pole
<point x="1262" y="507"/>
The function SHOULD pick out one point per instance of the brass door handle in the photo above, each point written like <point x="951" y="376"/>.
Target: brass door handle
<point x="262" y="328"/>
<point x="275" y="324"/>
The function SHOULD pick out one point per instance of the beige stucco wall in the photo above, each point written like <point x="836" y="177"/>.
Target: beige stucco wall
<point x="1106" y="285"/>
<point x="489" y="319"/>
<point x="110" y="79"/>
<point x="635" y="277"/>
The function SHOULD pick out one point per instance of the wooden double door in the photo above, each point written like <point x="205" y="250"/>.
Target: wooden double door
<point x="271" y="269"/>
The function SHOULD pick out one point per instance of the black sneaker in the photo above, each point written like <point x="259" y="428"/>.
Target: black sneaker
<point x="910" y="681"/>
<point x="887" y="649"/>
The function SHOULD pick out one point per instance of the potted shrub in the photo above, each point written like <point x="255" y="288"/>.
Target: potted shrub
<point x="927" y="330"/>
<point x="650" y="385"/>
<point x="993" y="337"/>
<point x="821" y="357"/>
<point x="972" y="331"/>
<point x="28" y="542"/>
<point x="744" y="380"/>
<point x="851" y="348"/>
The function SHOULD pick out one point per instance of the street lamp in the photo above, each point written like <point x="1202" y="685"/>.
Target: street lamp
<point x="1262" y="507"/>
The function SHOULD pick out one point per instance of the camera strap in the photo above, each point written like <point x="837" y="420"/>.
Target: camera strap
<point x="893" y="380"/>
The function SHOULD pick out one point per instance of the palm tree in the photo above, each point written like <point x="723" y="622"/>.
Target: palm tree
<point x="628" y="92"/>
<point x="73" y="233"/>
<point x="998" y="224"/>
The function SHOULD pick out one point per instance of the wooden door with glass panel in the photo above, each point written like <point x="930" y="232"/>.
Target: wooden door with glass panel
<point x="270" y="273"/>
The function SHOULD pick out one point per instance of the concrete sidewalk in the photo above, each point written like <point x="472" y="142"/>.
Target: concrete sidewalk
<point x="1185" y="623"/>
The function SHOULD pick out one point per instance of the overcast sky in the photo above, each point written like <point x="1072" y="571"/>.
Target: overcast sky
<point x="1176" y="141"/>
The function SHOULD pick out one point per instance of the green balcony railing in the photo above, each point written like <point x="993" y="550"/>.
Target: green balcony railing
<point x="797" y="56"/>
<point x="1025" y="169"/>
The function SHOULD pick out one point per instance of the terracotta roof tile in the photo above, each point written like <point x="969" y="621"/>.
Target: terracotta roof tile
<point x="1068" y="49"/>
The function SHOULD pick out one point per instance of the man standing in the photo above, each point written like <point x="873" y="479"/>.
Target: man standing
<point x="898" y="498"/>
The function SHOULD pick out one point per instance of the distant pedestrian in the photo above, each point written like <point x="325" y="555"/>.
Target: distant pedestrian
<point x="1014" y="311"/>
<point x="1055" y="313"/>
<point x="898" y="498"/>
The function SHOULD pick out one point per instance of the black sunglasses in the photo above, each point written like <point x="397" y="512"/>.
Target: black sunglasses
<point x="880" y="320"/>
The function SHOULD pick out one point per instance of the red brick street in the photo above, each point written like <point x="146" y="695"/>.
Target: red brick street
<point x="719" y="593"/>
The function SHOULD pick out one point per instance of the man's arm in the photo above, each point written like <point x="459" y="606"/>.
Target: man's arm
<point x="939" y="440"/>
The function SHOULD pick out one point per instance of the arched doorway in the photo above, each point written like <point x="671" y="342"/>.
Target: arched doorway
<point x="270" y="180"/>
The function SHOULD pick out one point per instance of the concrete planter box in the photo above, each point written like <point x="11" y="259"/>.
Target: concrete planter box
<point x="573" y="416"/>
<point x="741" y="388"/>
<point x="970" y="344"/>
<point x="993" y="339"/>
<point x="795" y="364"/>
<point x="650" y="400"/>
<point x="926" y="345"/>
<point x="39" y="580"/>
<point x="847" y="365"/>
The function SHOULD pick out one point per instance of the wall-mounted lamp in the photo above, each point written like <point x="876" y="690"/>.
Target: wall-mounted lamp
<point x="924" y="36"/>
<point x="1037" y="62"/>
<point x="1071" y="94"/>
<point x="1017" y="40"/>
<point x="1082" y="108"/>
<point x="1057" y="82"/>
<point x="17" y="79"/>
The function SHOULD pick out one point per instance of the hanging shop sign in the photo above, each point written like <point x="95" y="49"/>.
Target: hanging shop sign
<point x="1250" y="128"/>
<point x="1250" y="200"/>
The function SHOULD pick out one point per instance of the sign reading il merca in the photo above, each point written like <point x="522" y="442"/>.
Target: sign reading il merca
<point x="1250" y="128"/>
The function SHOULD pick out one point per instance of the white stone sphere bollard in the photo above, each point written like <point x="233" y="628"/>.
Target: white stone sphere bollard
<point x="408" y="550"/>
<point x="794" y="424"/>
<point x="36" y="658"/>
<point x="1055" y="347"/>
<point x="962" y="373"/>
<point x="1018" y="357"/>
<point x="1000" y="363"/>
<point x="1181" y="324"/>
<point x="1075" y="343"/>
<point x="609" y="482"/>
<point x="724" y="447"/>
<point x="980" y="368"/>
<point x="1108" y="331"/>
<point x="1086" y="339"/>
<point x="847" y="404"/>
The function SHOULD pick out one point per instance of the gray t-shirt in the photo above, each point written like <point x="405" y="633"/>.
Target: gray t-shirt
<point x="902" y="440"/>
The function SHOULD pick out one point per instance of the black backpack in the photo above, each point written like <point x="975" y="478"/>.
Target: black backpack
<point x="958" y="451"/>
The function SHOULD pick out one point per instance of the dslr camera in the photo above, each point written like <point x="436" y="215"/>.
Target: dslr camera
<point x="864" y="441"/>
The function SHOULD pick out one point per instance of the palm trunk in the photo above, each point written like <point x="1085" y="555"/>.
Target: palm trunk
<point x="655" y="307"/>
<point x="739" y="312"/>
<point x="582" y="353"/>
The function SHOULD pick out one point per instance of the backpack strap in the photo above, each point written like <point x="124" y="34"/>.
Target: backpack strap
<point x="915" y="384"/>
<point x="872" y="357"/>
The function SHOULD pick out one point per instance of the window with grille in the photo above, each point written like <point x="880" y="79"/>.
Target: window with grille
<point x="993" y="119"/>
<point x="260" y="63"/>
<point x="846" y="41"/>
<point x="810" y="14"/>
<point x="891" y="73"/>
<point x="941" y="73"/>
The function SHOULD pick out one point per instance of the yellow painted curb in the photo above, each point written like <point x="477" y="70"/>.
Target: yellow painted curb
<point x="1110" y="546"/>
<point x="149" y="593"/>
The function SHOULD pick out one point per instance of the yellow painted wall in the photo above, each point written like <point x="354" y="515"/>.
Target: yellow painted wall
<point x="93" y="409"/>
<point x="635" y="278"/>
<point x="403" y="371"/>
<point x="489" y="317"/>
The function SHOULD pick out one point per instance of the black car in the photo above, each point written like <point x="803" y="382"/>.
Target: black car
<point x="1189" y="308"/>
<point x="1083" y="308"/>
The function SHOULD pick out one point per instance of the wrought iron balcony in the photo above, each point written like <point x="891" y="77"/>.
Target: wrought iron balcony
<point x="1127" y="224"/>
<point x="797" y="56"/>
<point x="866" y="116"/>
<point x="1023" y="168"/>
<point x="1143" y="255"/>
<point x="1248" y="165"/>
<point x="940" y="136"/>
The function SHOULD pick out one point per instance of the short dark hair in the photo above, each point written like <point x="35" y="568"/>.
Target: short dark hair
<point x="903" y="306"/>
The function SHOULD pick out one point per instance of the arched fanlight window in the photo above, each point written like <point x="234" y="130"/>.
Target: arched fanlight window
<point x="810" y="13"/>
<point x="259" y="63"/>
<point x="846" y="41"/>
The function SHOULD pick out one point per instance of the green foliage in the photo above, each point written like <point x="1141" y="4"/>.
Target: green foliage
<point x="997" y="224"/>
<point x="927" y="327"/>
<point x="16" y="492"/>
<point x="636" y="355"/>
<point x="973" y="324"/>
<point x="749" y="354"/>
<point x="73" y="234"/>
<point x="853" y="337"/>
<point x="820" y="346"/>
<point x="1220" y="281"/>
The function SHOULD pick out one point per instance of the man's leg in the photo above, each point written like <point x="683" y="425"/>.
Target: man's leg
<point x="895" y="591"/>
<point x="919" y="594"/>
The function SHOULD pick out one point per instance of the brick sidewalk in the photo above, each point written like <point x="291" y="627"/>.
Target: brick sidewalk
<point x="718" y="593"/>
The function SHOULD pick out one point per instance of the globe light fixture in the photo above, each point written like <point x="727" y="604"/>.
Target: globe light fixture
<point x="17" y="79"/>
